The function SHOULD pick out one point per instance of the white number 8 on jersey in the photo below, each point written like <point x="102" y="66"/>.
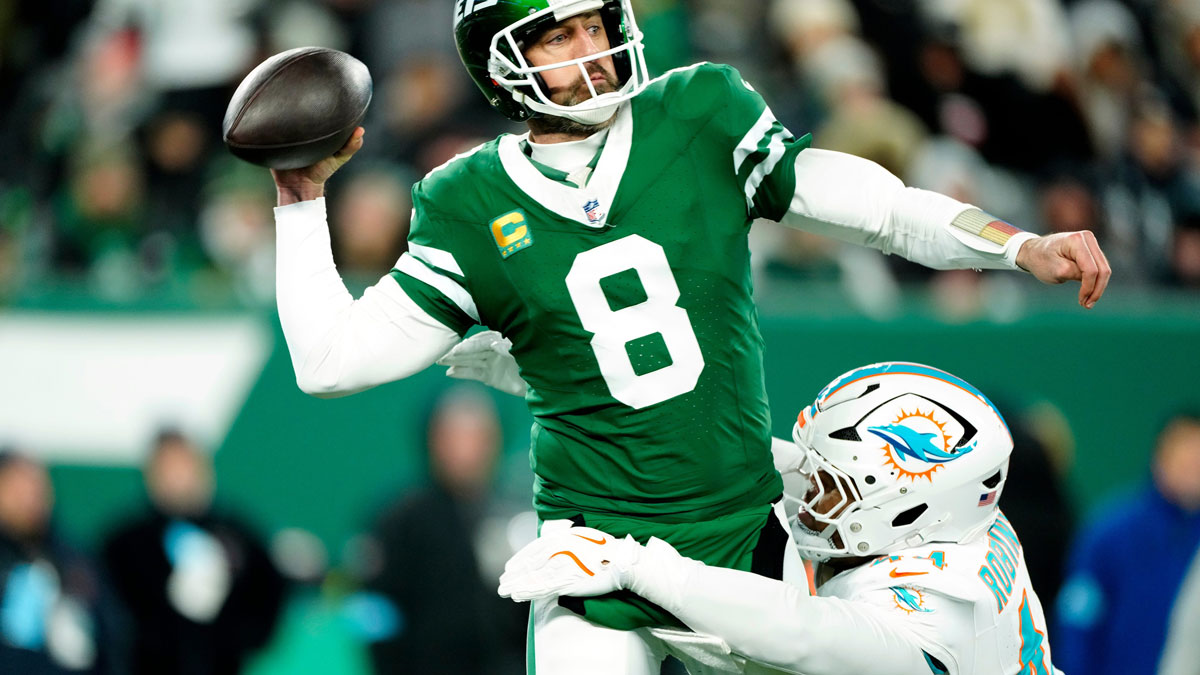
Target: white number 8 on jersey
<point x="612" y="330"/>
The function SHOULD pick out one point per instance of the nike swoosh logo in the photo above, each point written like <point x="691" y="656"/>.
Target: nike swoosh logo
<point x="577" y="562"/>
<point x="600" y="541"/>
<point x="895" y="575"/>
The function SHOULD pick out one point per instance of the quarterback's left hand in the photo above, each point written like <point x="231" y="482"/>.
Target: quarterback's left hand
<point x="1068" y="256"/>
<point x="485" y="357"/>
<point x="573" y="561"/>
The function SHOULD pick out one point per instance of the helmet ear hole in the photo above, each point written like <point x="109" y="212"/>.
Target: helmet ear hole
<point x="993" y="481"/>
<point x="845" y="434"/>
<point x="909" y="516"/>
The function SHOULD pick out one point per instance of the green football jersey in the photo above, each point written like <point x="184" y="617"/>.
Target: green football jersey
<point x="627" y="301"/>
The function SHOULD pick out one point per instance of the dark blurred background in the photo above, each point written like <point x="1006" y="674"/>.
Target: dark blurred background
<point x="137" y="302"/>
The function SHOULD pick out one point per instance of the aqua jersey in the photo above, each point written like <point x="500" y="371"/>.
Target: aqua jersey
<point x="627" y="301"/>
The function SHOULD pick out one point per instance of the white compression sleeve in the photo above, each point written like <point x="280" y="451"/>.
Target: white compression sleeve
<point x="856" y="200"/>
<point x="774" y="623"/>
<point x="340" y="345"/>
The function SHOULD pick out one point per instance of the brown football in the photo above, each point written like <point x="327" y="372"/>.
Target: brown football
<point x="297" y="107"/>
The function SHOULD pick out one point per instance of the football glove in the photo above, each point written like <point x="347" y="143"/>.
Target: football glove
<point x="485" y="357"/>
<point x="576" y="561"/>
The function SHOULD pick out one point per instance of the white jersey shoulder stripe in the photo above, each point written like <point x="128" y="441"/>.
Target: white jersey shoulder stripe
<point x="408" y="264"/>
<point x="436" y="257"/>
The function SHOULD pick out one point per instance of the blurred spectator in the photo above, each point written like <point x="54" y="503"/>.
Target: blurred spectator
<point x="730" y="31"/>
<point x="1185" y="253"/>
<point x="1114" y="606"/>
<point x="201" y="589"/>
<point x="1177" y="28"/>
<point x="802" y="29"/>
<point x="100" y="219"/>
<point x="806" y="27"/>
<point x="451" y="620"/>
<point x="1035" y="500"/>
<point x="1067" y="204"/>
<point x="425" y="109"/>
<point x="1025" y="38"/>
<point x="34" y="38"/>
<point x="975" y="108"/>
<point x="177" y="147"/>
<point x="426" y="115"/>
<point x="289" y="24"/>
<point x="237" y="230"/>
<point x="861" y="119"/>
<point x="189" y="53"/>
<point x="1151" y="189"/>
<point x="370" y="223"/>
<point x="55" y="616"/>
<point x="1111" y="63"/>
<point x="1181" y="654"/>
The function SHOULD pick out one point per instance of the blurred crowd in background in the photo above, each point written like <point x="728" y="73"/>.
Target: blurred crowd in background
<point x="1053" y="114"/>
<point x="1056" y="115"/>
<point x="183" y="585"/>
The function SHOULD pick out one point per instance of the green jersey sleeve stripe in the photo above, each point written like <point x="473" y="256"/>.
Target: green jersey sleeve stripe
<point x="752" y="140"/>
<point x="455" y="293"/>
<point x="435" y="257"/>
<point x="775" y="185"/>
<point x="774" y="151"/>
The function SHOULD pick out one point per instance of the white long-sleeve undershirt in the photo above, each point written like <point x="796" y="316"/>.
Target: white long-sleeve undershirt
<point x="855" y="200"/>
<point x="776" y="624"/>
<point x="340" y="345"/>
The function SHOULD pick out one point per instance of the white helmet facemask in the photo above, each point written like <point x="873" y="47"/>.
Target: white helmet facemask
<point x="520" y="78"/>
<point x="830" y="496"/>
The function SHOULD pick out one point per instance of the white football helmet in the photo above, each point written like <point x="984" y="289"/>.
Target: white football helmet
<point x="895" y="455"/>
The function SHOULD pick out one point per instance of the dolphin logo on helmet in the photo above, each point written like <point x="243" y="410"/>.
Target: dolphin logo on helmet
<point x="911" y="443"/>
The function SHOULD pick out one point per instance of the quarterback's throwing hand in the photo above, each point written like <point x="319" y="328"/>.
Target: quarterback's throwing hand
<point x="1068" y="256"/>
<point x="574" y="561"/>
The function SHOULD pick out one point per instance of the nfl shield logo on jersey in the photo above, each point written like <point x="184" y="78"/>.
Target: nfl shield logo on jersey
<point x="594" y="215"/>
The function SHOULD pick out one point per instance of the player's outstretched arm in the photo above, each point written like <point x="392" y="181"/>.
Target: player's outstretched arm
<point x="762" y="619"/>
<point x="340" y="345"/>
<point x="855" y="200"/>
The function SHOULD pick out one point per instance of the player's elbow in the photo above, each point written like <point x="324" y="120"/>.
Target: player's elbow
<point x="316" y="389"/>
<point x="322" y="385"/>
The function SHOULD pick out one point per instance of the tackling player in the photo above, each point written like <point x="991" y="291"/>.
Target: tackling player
<point x="901" y="466"/>
<point x="610" y="245"/>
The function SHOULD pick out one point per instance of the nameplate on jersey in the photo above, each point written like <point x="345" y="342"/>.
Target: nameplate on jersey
<point x="512" y="233"/>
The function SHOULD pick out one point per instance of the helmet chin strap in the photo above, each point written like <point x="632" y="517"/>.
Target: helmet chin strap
<point x="590" y="117"/>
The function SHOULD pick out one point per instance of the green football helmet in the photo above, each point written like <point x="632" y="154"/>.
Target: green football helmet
<point x="491" y="35"/>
